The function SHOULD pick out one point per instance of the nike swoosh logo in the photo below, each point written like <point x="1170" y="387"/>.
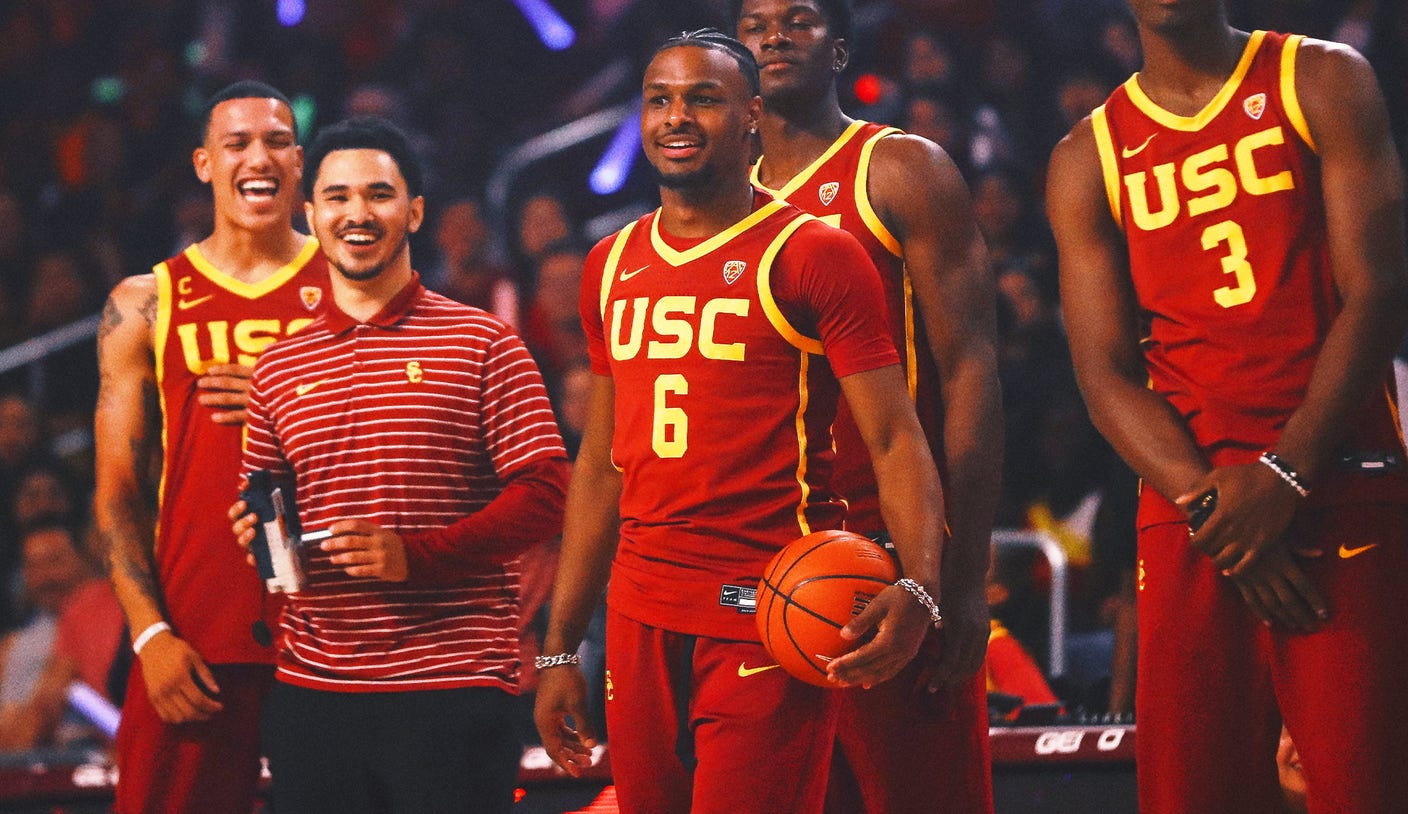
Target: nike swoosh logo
<point x="626" y="275"/>
<point x="184" y="304"/>
<point x="1347" y="552"/>
<point x="305" y="389"/>
<point x="745" y="671"/>
<point x="1128" y="153"/>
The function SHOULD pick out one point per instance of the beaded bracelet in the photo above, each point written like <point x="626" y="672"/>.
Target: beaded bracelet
<point x="544" y="662"/>
<point x="1278" y="465"/>
<point x="924" y="599"/>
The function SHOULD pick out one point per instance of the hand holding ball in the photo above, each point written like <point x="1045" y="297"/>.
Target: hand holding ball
<point x="813" y="588"/>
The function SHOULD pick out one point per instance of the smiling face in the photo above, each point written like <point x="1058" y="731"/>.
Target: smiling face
<point x="253" y="163"/>
<point x="362" y="212"/>
<point x="796" y="51"/>
<point x="697" y="117"/>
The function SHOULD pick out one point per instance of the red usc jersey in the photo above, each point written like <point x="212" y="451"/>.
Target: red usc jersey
<point x="725" y="357"/>
<point x="205" y="317"/>
<point x="834" y="189"/>
<point x="1228" y="251"/>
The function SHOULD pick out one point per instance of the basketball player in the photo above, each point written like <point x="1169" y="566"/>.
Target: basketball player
<point x="418" y="431"/>
<point x="904" y="200"/>
<point x="175" y="351"/>
<point x="718" y="328"/>
<point x="1230" y="224"/>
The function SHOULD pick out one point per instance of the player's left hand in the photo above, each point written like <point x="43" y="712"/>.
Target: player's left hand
<point x="964" y="641"/>
<point x="1254" y="508"/>
<point x="225" y="388"/>
<point x="899" y="623"/>
<point x="364" y="549"/>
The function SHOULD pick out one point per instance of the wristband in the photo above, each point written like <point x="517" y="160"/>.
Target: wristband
<point x="544" y="662"/>
<point x="147" y="635"/>
<point x="924" y="599"/>
<point x="1284" y="471"/>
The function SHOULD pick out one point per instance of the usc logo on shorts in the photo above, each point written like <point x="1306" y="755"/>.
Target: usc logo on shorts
<point x="1139" y="575"/>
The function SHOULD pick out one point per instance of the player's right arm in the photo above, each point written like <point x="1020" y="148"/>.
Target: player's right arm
<point x="1102" y="323"/>
<point x="127" y="434"/>
<point x="591" y="529"/>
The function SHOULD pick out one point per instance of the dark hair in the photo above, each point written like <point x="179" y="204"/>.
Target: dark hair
<point x="719" y="41"/>
<point x="840" y="19"/>
<point x="244" y="89"/>
<point x="362" y="133"/>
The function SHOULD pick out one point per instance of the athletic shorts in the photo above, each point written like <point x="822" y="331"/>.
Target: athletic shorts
<point x="206" y="766"/>
<point x="1211" y="674"/>
<point x="708" y="725"/>
<point x="900" y="748"/>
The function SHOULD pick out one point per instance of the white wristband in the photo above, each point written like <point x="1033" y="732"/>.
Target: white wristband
<point x="147" y="635"/>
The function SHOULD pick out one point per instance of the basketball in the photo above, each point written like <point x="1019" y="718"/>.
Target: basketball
<point x="810" y="590"/>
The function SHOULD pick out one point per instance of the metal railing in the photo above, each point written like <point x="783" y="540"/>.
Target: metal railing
<point x="1055" y="556"/>
<point x="31" y="352"/>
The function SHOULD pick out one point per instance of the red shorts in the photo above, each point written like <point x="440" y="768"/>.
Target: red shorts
<point x="694" y="729"/>
<point x="1211" y="675"/>
<point x="900" y="748"/>
<point x="210" y="766"/>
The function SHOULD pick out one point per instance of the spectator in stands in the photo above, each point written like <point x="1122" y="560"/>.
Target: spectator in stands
<point x="542" y="222"/>
<point x="1010" y="669"/>
<point x="468" y="272"/>
<point x="553" y="328"/>
<point x="44" y="489"/>
<point x="73" y="636"/>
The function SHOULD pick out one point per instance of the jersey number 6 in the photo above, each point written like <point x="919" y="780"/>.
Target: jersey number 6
<point x="669" y="435"/>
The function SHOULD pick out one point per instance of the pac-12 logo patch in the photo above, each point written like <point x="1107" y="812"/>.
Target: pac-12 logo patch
<point x="828" y="192"/>
<point x="311" y="296"/>
<point x="1255" y="105"/>
<point x="733" y="269"/>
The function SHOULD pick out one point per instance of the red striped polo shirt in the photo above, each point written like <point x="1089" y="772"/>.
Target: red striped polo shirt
<point x="412" y="420"/>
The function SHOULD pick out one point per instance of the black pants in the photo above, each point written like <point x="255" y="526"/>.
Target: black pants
<point x="419" y="752"/>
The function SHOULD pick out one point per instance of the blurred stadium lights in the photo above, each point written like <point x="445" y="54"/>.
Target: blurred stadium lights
<point x="610" y="172"/>
<point x="290" y="12"/>
<point x="554" y="31"/>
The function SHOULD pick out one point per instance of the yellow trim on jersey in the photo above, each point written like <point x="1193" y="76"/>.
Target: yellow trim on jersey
<point x="1105" y="146"/>
<point x="678" y="258"/>
<point x="801" y="178"/>
<point x="613" y="260"/>
<point x="1290" y="102"/>
<point x="251" y="290"/>
<point x="1209" y="112"/>
<point x="794" y="337"/>
<point x="1393" y="411"/>
<point x="911" y="348"/>
<point x="160" y="332"/>
<point x="803" y="395"/>
<point x="867" y="212"/>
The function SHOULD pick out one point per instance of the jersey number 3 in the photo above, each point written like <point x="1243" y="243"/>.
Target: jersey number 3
<point x="1234" y="262"/>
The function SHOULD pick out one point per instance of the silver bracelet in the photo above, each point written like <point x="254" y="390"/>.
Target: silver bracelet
<point x="924" y="599"/>
<point x="1284" y="470"/>
<point x="544" y="662"/>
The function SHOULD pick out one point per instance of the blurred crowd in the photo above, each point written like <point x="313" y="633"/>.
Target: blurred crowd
<point x="98" y="105"/>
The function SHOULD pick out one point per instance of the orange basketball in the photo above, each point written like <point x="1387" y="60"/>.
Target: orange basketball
<point x="810" y="590"/>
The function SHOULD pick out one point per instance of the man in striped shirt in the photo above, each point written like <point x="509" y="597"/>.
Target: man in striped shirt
<point x="418" y="431"/>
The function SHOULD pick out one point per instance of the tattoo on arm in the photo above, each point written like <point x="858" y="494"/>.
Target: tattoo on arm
<point x="112" y="317"/>
<point x="149" y="309"/>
